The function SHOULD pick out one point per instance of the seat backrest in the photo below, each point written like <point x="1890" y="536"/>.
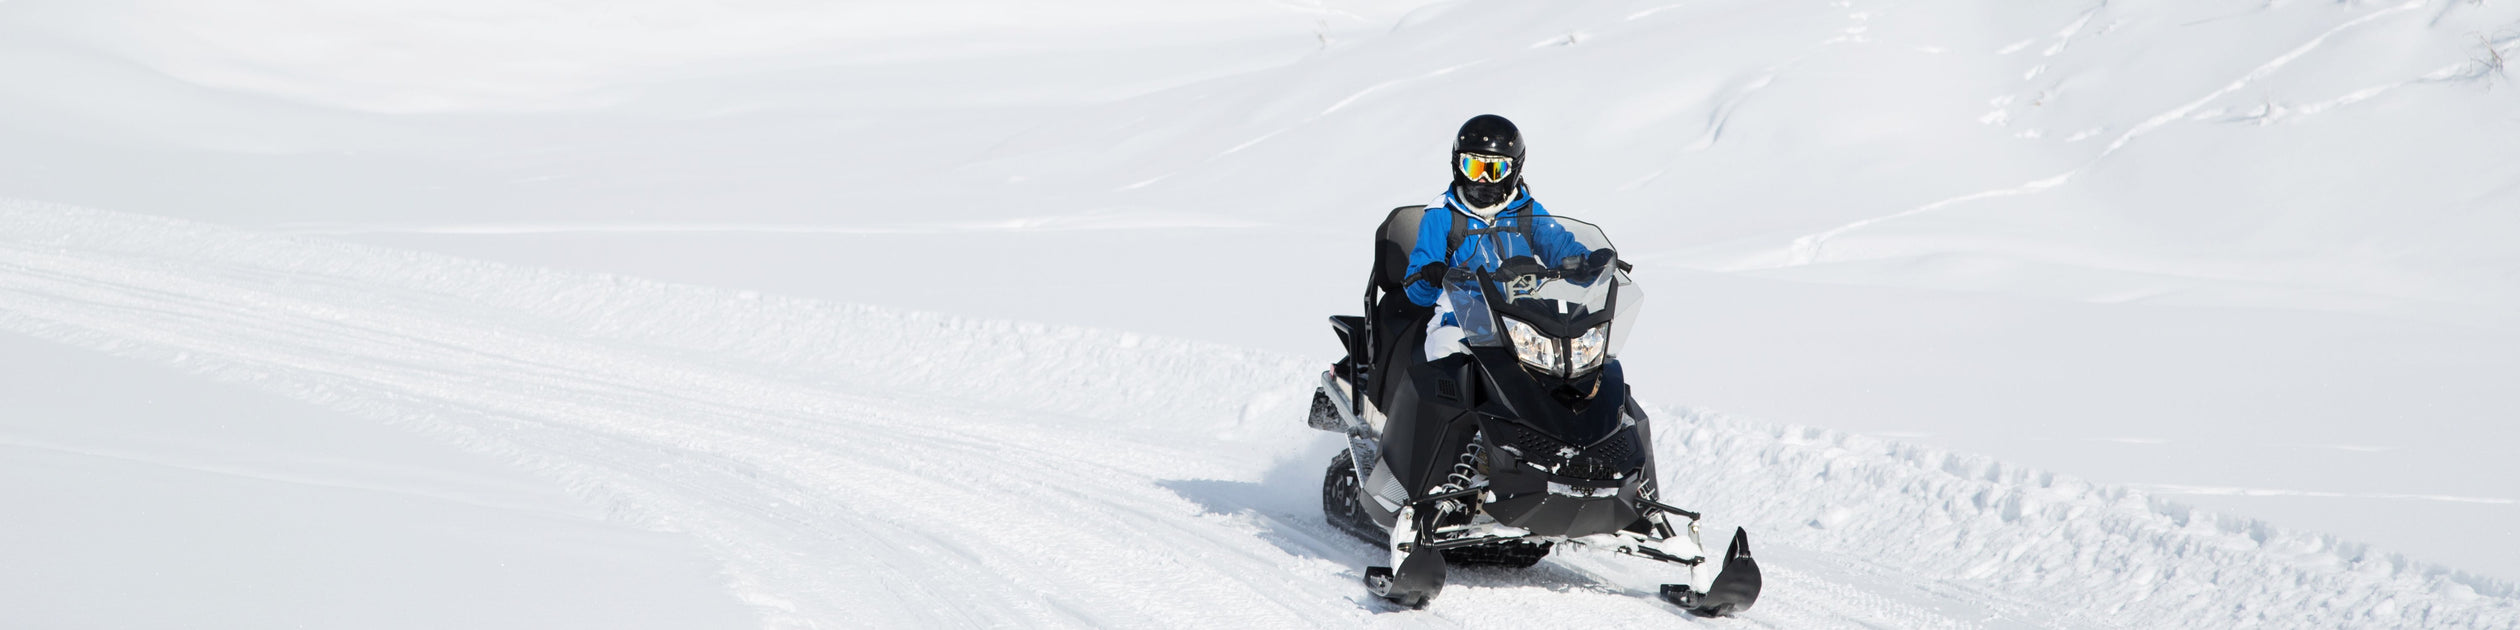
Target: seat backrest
<point x="1392" y="243"/>
<point x="1399" y="325"/>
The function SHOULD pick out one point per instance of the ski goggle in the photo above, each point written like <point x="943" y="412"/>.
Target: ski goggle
<point x="1486" y="168"/>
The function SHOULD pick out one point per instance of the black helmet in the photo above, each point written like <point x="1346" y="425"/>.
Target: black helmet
<point x="1487" y="160"/>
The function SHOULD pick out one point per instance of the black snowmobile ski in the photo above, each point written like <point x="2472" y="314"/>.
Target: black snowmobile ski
<point x="1735" y="589"/>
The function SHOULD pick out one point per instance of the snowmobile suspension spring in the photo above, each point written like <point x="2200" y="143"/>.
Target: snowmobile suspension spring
<point x="1465" y="471"/>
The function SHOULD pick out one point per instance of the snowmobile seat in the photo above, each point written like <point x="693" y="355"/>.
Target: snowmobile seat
<point x="1392" y="243"/>
<point x="1399" y="326"/>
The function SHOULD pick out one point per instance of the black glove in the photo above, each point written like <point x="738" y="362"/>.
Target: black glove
<point x="1432" y="273"/>
<point x="1595" y="264"/>
<point x="1601" y="258"/>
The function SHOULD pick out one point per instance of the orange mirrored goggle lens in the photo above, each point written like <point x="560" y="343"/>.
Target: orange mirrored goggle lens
<point x="1485" y="168"/>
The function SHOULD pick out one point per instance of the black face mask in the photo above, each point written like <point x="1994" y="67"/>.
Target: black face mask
<point x="1482" y="195"/>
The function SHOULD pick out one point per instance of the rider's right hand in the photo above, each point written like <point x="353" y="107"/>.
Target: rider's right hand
<point x="1432" y="273"/>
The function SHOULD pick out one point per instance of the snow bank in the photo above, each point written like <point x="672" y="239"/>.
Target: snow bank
<point x="2105" y="553"/>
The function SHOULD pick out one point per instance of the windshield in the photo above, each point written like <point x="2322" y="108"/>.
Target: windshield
<point x="1553" y="273"/>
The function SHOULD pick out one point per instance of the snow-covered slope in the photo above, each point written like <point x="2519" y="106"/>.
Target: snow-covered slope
<point x="2250" y="256"/>
<point x="142" y="495"/>
<point x="855" y="465"/>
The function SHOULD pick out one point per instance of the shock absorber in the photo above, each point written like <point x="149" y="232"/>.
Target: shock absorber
<point x="1468" y="471"/>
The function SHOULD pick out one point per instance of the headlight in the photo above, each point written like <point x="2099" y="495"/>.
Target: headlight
<point x="1535" y="349"/>
<point x="1589" y="349"/>
<point x="1585" y="352"/>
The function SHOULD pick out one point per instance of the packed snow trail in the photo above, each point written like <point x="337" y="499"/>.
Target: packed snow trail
<point x="828" y="506"/>
<point x="858" y="467"/>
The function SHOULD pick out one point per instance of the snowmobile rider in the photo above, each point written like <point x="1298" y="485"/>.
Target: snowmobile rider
<point x="1487" y="185"/>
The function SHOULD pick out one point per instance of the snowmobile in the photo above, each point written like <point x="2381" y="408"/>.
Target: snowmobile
<point x="1528" y="442"/>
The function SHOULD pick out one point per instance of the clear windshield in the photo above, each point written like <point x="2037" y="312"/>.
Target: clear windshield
<point x="1554" y="273"/>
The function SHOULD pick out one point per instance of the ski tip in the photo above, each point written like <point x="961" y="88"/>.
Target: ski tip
<point x="1737" y="587"/>
<point x="1379" y="581"/>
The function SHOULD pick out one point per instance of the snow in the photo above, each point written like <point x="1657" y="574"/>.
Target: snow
<point x="1977" y="313"/>
<point x="841" y="463"/>
<point x="144" y="497"/>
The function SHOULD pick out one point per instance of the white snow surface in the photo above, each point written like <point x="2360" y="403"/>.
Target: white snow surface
<point x="1977" y="313"/>
<point x="858" y="465"/>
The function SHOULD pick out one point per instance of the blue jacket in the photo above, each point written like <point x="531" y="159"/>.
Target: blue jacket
<point x="1435" y="231"/>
